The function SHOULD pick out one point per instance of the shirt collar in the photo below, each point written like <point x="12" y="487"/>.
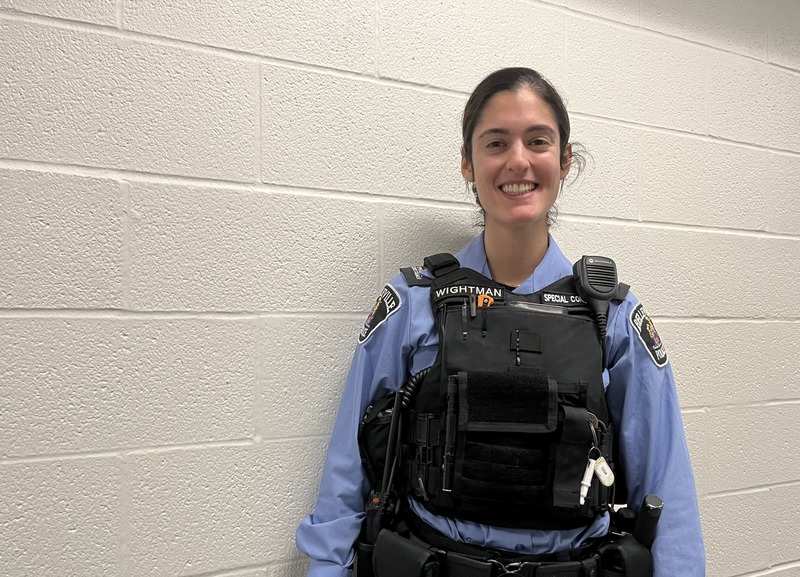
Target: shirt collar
<point x="554" y="265"/>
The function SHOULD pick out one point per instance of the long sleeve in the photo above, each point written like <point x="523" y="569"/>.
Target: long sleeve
<point x="644" y="406"/>
<point x="328" y="534"/>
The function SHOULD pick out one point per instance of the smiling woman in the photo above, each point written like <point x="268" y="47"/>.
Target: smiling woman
<point x="516" y="167"/>
<point x="515" y="160"/>
<point x="504" y="399"/>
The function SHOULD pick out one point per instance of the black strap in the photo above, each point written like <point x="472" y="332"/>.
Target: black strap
<point x="413" y="276"/>
<point x="441" y="264"/>
<point x="571" y="457"/>
<point x="622" y="290"/>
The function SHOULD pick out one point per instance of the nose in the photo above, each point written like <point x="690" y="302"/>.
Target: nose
<point x="517" y="157"/>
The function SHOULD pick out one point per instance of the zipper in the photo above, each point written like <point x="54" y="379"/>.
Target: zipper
<point x="539" y="308"/>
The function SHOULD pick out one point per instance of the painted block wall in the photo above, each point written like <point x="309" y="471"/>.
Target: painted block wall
<point x="199" y="202"/>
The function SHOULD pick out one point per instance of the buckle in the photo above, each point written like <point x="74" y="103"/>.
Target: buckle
<point x="514" y="568"/>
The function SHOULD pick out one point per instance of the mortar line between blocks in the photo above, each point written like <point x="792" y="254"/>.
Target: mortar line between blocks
<point x="356" y="196"/>
<point x="678" y="132"/>
<point x="233" y="572"/>
<point x="127" y="251"/>
<point x="772" y="570"/>
<point x="124" y="452"/>
<point x="125" y="518"/>
<point x="650" y="224"/>
<point x="765" y="403"/>
<point x="381" y="273"/>
<point x="120" y="14"/>
<point x="724" y="320"/>
<point x="638" y="27"/>
<point x="751" y="490"/>
<point x="639" y="188"/>
<point x="118" y="314"/>
<point x="376" y="41"/>
<point x="784" y="68"/>
<point x="246" y="187"/>
<point x="259" y="115"/>
<point x="222" y="52"/>
<point x="259" y="388"/>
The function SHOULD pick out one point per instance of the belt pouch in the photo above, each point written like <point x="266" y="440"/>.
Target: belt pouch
<point x="564" y="569"/>
<point x="363" y="564"/>
<point x="461" y="566"/>
<point x="626" y="558"/>
<point x="396" y="556"/>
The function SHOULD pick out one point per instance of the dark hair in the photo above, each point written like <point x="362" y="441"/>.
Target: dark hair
<point x="514" y="79"/>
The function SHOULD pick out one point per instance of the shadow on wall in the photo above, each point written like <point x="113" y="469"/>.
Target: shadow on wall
<point x="751" y="28"/>
<point x="412" y="233"/>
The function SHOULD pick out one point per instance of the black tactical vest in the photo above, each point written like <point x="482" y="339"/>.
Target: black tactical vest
<point x="503" y="426"/>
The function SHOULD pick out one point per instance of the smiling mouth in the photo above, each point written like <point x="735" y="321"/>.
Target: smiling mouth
<point x="517" y="189"/>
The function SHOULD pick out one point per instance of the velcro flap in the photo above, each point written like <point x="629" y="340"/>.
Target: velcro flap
<point x="526" y="341"/>
<point x="507" y="402"/>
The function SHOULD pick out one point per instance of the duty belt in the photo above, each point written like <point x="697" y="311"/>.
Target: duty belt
<point x="461" y="560"/>
<point x="457" y="565"/>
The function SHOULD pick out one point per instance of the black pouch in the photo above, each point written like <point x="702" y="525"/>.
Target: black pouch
<point x="626" y="557"/>
<point x="507" y="425"/>
<point x="373" y="438"/>
<point x="363" y="565"/>
<point x="396" y="556"/>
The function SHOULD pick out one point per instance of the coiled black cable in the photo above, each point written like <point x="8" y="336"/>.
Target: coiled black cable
<point x="411" y="388"/>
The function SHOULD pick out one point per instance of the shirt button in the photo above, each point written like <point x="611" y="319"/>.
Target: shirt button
<point x="520" y="547"/>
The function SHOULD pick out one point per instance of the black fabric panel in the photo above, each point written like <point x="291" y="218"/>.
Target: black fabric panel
<point x="510" y="474"/>
<point x="507" y="402"/>
<point x="506" y="454"/>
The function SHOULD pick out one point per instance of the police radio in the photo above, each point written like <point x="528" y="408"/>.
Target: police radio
<point x="596" y="281"/>
<point x="597" y="277"/>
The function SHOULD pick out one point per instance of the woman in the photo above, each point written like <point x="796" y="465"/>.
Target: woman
<point x="516" y="155"/>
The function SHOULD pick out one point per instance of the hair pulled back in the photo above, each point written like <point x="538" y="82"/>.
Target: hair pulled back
<point x="514" y="79"/>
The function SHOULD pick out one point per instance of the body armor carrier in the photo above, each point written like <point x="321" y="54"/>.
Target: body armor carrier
<point x="502" y="427"/>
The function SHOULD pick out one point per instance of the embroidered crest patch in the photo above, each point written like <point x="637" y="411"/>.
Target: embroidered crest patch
<point x="647" y="333"/>
<point x="385" y="306"/>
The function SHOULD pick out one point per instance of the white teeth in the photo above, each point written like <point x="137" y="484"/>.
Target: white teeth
<point x="517" y="188"/>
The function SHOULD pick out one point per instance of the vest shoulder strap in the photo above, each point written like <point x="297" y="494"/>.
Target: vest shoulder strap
<point x="413" y="276"/>
<point x="441" y="264"/>
<point x="622" y="291"/>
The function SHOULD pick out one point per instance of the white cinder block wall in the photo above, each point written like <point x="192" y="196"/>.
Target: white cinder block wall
<point x="199" y="202"/>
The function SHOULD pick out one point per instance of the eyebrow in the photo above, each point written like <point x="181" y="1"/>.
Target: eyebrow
<point x="531" y="128"/>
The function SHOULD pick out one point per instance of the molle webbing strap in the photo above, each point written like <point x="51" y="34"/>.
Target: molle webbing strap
<point x="571" y="457"/>
<point x="441" y="264"/>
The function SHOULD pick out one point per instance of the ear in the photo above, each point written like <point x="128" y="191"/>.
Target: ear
<point x="566" y="161"/>
<point x="466" y="167"/>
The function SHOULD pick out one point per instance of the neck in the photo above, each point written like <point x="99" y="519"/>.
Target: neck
<point x="513" y="254"/>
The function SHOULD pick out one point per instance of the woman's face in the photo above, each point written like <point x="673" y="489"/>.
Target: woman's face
<point x="516" y="165"/>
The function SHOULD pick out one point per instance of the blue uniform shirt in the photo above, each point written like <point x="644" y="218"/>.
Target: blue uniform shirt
<point x="642" y="400"/>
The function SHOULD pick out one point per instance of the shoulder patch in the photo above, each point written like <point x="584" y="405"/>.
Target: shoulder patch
<point x="646" y="331"/>
<point x="386" y="305"/>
